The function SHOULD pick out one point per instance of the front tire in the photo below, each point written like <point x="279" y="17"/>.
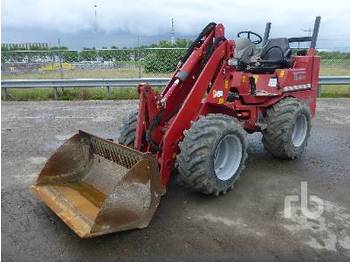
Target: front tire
<point x="213" y="153"/>
<point x="288" y="128"/>
<point x="128" y="130"/>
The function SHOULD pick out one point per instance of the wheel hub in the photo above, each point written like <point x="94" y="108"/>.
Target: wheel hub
<point x="299" y="130"/>
<point x="228" y="156"/>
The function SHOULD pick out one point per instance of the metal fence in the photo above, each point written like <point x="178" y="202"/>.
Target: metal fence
<point x="119" y="63"/>
<point x="137" y="62"/>
<point x="116" y="67"/>
<point x="121" y="83"/>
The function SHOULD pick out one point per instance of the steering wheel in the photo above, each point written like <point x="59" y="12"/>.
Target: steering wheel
<point x="248" y="32"/>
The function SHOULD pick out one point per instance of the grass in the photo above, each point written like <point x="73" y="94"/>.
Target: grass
<point x="327" y="68"/>
<point x="39" y="94"/>
<point x="88" y="73"/>
<point x="335" y="69"/>
<point x="335" y="91"/>
<point x="72" y="94"/>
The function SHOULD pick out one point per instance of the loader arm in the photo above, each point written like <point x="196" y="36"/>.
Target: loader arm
<point x="163" y="118"/>
<point x="156" y="110"/>
<point x="189" y="111"/>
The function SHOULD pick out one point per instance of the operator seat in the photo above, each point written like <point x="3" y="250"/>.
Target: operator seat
<point x="244" y="50"/>
<point x="274" y="55"/>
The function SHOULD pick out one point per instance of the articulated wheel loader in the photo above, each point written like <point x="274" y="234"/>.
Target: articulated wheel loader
<point x="198" y="125"/>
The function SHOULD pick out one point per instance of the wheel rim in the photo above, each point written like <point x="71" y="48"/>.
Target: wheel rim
<point x="228" y="156"/>
<point x="299" y="130"/>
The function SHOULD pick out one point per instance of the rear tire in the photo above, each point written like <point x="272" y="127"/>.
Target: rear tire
<point x="128" y="130"/>
<point x="213" y="153"/>
<point x="288" y="128"/>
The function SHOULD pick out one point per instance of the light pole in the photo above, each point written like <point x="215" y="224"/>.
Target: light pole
<point x="138" y="55"/>
<point x="60" y="57"/>
<point x="172" y="32"/>
<point x="95" y="26"/>
<point x="61" y="66"/>
<point x="306" y="30"/>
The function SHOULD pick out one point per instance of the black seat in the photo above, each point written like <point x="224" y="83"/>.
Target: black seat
<point x="276" y="49"/>
<point x="274" y="55"/>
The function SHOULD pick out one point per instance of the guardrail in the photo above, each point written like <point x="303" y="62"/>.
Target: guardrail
<point x="78" y="83"/>
<point x="334" y="80"/>
<point x="117" y="82"/>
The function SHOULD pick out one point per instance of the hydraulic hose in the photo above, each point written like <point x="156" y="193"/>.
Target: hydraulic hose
<point x="156" y="121"/>
<point x="211" y="50"/>
<point x="210" y="27"/>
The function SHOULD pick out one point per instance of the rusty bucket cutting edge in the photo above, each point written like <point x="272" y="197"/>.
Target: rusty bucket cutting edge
<point x="98" y="187"/>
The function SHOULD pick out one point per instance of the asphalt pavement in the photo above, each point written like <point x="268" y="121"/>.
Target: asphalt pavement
<point x="247" y="224"/>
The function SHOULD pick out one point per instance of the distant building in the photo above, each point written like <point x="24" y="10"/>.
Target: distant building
<point x="25" y="46"/>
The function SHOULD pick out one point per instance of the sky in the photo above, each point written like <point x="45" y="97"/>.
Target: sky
<point x="120" y="22"/>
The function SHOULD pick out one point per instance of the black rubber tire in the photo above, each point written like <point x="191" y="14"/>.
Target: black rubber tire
<point x="128" y="130"/>
<point x="195" y="162"/>
<point x="281" y="118"/>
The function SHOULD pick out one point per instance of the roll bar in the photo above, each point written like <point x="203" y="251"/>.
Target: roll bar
<point x="267" y="33"/>
<point x="312" y="39"/>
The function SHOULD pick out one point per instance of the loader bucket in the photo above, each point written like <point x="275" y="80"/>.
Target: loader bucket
<point x="97" y="187"/>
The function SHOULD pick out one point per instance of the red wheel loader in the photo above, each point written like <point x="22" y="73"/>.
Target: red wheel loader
<point x="198" y="125"/>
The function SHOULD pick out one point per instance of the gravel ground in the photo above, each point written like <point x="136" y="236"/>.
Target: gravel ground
<point x="245" y="224"/>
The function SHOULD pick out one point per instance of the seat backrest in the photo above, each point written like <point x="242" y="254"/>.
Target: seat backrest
<point x="276" y="49"/>
<point x="244" y="50"/>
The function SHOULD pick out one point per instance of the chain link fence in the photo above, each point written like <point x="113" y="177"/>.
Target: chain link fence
<point x="142" y="62"/>
<point x="335" y="63"/>
<point x="119" y="63"/>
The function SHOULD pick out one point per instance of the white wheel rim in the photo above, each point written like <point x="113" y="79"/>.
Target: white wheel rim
<point x="299" y="130"/>
<point x="228" y="156"/>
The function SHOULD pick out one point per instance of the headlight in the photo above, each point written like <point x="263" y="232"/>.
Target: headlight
<point x="233" y="62"/>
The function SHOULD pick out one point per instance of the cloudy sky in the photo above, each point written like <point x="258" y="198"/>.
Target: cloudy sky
<point x="120" y="21"/>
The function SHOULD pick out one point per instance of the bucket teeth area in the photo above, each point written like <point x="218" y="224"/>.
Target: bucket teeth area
<point x="77" y="211"/>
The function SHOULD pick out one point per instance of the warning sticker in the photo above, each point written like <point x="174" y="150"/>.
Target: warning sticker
<point x="273" y="82"/>
<point x="218" y="93"/>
